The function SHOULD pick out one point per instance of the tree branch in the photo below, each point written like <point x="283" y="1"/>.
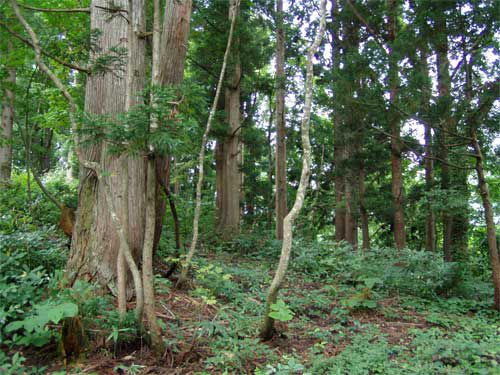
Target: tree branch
<point x="56" y="10"/>
<point x="43" y="52"/>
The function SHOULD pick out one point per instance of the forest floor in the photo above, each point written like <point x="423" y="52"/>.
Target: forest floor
<point x="350" y="323"/>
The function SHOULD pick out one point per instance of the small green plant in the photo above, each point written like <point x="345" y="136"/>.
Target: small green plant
<point x="35" y="327"/>
<point x="281" y="312"/>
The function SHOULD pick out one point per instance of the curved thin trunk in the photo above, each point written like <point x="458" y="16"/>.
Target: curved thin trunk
<point x="266" y="331"/>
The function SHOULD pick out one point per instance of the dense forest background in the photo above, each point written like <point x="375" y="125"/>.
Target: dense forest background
<point x="249" y="186"/>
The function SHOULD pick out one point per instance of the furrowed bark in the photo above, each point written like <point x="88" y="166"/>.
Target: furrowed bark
<point x="93" y="166"/>
<point x="201" y="158"/>
<point x="228" y="151"/>
<point x="267" y="328"/>
<point x="95" y="244"/>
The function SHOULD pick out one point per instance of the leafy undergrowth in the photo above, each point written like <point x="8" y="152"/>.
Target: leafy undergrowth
<point x="340" y="312"/>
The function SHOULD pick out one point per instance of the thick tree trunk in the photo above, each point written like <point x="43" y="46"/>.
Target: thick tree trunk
<point x="281" y="200"/>
<point x="7" y="120"/>
<point x="394" y="123"/>
<point x="228" y="193"/>
<point x="95" y="244"/>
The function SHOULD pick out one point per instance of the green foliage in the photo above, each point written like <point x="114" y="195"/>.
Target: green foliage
<point x="419" y="273"/>
<point x="291" y="366"/>
<point x="14" y="365"/>
<point x="34" y="327"/>
<point x="280" y="311"/>
<point x="132" y="133"/>
<point x="18" y="212"/>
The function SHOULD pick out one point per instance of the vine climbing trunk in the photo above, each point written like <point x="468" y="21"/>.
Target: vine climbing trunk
<point x="267" y="327"/>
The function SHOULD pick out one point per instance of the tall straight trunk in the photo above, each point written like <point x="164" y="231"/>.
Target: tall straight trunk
<point x="95" y="244"/>
<point x="171" y="54"/>
<point x="394" y="124"/>
<point x="7" y="121"/>
<point x="455" y="223"/>
<point x="339" y="141"/>
<point x="228" y="194"/>
<point x="281" y="206"/>
<point x="430" y="218"/>
<point x="270" y="168"/>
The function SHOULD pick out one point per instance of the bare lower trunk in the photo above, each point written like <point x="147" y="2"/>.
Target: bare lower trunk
<point x="281" y="206"/>
<point x="351" y="227"/>
<point x="363" y="213"/>
<point x="7" y="120"/>
<point x="267" y="327"/>
<point x="340" y="202"/>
